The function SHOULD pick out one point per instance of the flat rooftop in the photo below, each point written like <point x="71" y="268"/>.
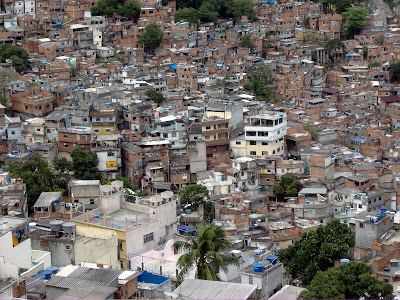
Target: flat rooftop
<point x="7" y="224"/>
<point x="117" y="219"/>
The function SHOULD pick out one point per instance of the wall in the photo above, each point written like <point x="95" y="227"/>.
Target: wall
<point x="19" y="255"/>
<point x="60" y="255"/>
<point x="153" y="254"/>
<point x="42" y="256"/>
<point x="34" y="270"/>
<point x="101" y="250"/>
<point x="111" y="203"/>
<point x="8" y="269"/>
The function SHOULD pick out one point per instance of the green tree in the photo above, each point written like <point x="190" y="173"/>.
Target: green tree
<point x="332" y="47"/>
<point x="85" y="164"/>
<point x="17" y="55"/>
<point x="207" y="12"/>
<point x="63" y="165"/>
<point x="317" y="250"/>
<point x="374" y="64"/>
<point x="379" y="40"/>
<point x="129" y="10"/>
<point x="310" y="37"/>
<point x="152" y="38"/>
<point x="243" y="8"/>
<point x="349" y="281"/>
<point x="187" y="14"/>
<point x="288" y="186"/>
<point x="36" y="175"/>
<point x="193" y="194"/>
<point x="247" y="42"/>
<point x="355" y="20"/>
<point x="5" y="78"/>
<point x="154" y="96"/>
<point x="204" y="252"/>
<point x="105" y="7"/>
<point x="310" y="127"/>
<point x="257" y="82"/>
<point x="395" y="70"/>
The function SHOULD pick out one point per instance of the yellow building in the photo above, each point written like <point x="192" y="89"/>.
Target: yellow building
<point x="104" y="122"/>
<point x="238" y="146"/>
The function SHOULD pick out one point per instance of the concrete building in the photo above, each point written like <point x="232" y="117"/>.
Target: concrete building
<point x="265" y="134"/>
<point x="88" y="245"/>
<point x="140" y="226"/>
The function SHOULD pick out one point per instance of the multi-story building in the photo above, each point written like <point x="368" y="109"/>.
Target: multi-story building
<point x="69" y="138"/>
<point x="264" y="134"/>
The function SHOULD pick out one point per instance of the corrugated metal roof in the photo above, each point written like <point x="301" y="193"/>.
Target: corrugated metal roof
<point x="88" y="291"/>
<point x="46" y="198"/>
<point x="74" y="276"/>
<point x="205" y="289"/>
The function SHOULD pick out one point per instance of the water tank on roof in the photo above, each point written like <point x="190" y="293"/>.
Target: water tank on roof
<point x="69" y="227"/>
<point x="258" y="267"/>
<point x="394" y="262"/>
<point x="272" y="259"/>
<point x="344" y="261"/>
<point x="383" y="209"/>
<point x="379" y="216"/>
<point x="56" y="225"/>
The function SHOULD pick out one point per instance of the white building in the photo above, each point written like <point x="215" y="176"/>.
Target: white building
<point x="264" y="134"/>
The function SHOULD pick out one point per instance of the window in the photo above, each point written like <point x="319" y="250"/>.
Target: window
<point x="37" y="129"/>
<point x="108" y="130"/>
<point x="207" y="137"/>
<point x="96" y="130"/>
<point x="110" y="154"/>
<point x="208" y="127"/>
<point x="264" y="153"/>
<point x="253" y="143"/>
<point x="66" y="136"/>
<point x="12" y="132"/>
<point x="238" y="143"/>
<point x="67" y="247"/>
<point x="264" y="143"/>
<point x="251" y="133"/>
<point x="173" y="134"/>
<point x="65" y="145"/>
<point x="361" y="225"/>
<point x="184" y="176"/>
<point x="253" y="153"/>
<point x="250" y="279"/>
<point x="148" y="237"/>
<point x="359" y="205"/>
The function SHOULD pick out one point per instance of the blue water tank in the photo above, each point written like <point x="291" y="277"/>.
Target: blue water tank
<point x="258" y="267"/>
<point x="273" y="259"/>
<point x="57" y="201"/>
<point x="52" y="269"/>
<point x="188" y="211"/>
<point x="383" y="209"/>
<point x="344" y="261"/>
<point x="257" y="252"/>
<point x="371" y="220"/>
<point x="379" y="216"/>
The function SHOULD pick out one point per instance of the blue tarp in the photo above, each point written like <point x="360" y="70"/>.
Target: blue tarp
<point x="148" y="277"/>
<point x="173" y="66"/>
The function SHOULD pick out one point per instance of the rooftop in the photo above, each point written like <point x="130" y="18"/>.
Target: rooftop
<point x="205" y="289"/>
<point x="8" y="223"/>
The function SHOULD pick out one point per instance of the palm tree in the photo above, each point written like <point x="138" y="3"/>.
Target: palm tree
<point x="203" y="251"/>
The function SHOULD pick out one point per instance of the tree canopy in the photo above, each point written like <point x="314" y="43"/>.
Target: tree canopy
<point x="355" y="20"/>
<point x="151" y="38"/>
<point x="288" y="186"/>
<point x="154" y="96"/>
<point x="204" y="252"/>
<point x="6" y="77"/>
<point x="85" y="164"/>
<point x="129" y="10"/>
<point x="38" y="178"/>
<point x="310" y="127"/>
<point x="349" y="281"/>
<point x="246" y="42"/>
<point x="194" y="195"/>
<point x="211" y="10"/>
<point x="395" y="70"/>
<point x="17" y="55"/>
<point x="105" y="7"/>
<point x="317" y="250"/>
<point x="257" y="82"/>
